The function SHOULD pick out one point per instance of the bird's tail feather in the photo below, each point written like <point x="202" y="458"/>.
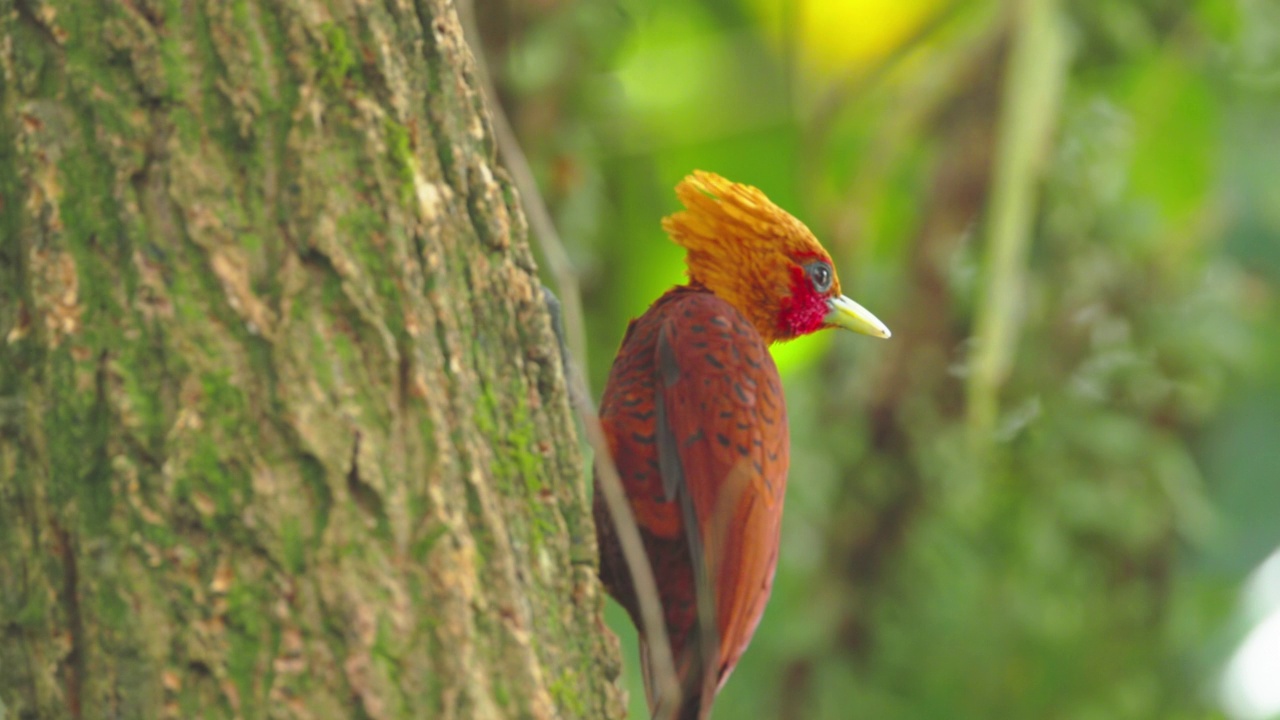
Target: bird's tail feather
<point x="695" y="686"/>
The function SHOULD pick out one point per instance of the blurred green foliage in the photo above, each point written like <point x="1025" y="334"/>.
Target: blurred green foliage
<point x="1080" y="555"/>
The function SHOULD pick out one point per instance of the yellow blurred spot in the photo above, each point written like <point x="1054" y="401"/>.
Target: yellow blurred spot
<point x="835" y="36"/>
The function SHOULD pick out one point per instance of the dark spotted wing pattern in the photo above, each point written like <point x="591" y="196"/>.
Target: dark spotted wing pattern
<point x="696" y="421"/>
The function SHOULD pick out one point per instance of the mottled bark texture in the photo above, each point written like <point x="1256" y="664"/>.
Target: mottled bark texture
<point x="283" y="429"/>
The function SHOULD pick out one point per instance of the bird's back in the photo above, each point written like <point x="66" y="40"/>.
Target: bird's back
<point x="694" y="413"/>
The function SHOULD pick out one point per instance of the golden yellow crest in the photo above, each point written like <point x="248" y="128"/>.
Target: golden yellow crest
<point x="741" y="246"/>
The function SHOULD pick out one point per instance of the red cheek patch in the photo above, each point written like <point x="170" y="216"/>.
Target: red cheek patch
<point x="801" y="312"/>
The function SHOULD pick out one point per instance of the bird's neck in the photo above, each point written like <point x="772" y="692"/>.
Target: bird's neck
<point x="768" y="333"/>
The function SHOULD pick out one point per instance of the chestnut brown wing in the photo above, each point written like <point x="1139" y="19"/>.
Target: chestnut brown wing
<point x="722" y="451"/>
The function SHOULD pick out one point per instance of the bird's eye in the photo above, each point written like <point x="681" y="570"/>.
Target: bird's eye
<point x="820" y="275"/>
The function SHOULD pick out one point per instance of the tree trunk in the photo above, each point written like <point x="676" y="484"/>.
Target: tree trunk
<point x="283" y="428"/>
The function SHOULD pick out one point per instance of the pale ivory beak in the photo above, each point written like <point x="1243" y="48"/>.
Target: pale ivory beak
<point x="847" y="314"/>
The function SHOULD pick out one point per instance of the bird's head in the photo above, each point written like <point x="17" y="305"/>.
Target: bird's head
<point x="761" y="260"/>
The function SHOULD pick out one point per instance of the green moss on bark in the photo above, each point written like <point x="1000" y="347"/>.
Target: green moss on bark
<point x="289" y="439"/>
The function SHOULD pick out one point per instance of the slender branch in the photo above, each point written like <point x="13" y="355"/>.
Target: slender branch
<point x="628" y="533"/>
<point x="535" y="207"/>
<point x="608" y="481"/>
<point x="1038" y="65"/>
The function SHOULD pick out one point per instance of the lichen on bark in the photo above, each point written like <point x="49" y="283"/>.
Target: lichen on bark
<point x="283" y="430"/>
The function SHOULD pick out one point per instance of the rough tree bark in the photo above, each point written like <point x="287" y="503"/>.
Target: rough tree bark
<point x="283" y="429"/>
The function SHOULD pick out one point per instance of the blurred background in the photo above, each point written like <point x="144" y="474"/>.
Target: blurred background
<point x="1054" y="492"/>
